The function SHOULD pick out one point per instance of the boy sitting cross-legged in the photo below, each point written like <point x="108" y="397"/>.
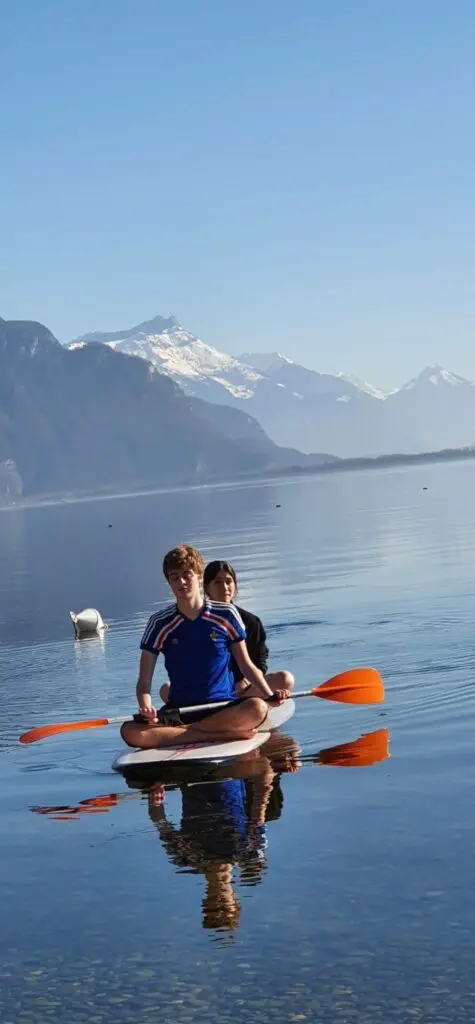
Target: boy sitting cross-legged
<point x="196" y="637"/>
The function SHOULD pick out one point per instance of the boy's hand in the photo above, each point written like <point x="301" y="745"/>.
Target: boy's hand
<point x="280" y="696"/>
<point x="149" y="712"/>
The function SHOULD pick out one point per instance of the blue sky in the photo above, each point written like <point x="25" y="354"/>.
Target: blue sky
<point x="279" y="175"/>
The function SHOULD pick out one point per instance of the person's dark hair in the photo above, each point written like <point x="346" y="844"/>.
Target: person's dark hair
<point x="214" y="568"/>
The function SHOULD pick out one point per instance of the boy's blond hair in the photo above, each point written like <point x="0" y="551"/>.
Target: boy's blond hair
<point x="183" y="557"/>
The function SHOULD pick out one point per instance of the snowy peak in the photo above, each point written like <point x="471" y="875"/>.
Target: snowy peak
<point x="266" y="362"/>
<point x="436" y="377"/>
<point x="312" y="383"/>
<point x="197" y="367"/>
<point x="177" y="352"/>
<point x="159" y="325"/>
<point x="363" y="385"/>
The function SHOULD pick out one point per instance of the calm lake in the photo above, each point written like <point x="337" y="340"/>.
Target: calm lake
<point x="348" y="894"/>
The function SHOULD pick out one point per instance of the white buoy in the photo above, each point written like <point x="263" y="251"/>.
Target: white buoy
<point x="88" y="621"/>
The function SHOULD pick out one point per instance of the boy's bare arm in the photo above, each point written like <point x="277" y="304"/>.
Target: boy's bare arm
<point x="144" y="684"/>
<point x="248" y="668"/>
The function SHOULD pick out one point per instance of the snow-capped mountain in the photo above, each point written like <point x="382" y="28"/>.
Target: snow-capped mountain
<point x="363" y="385"/>
<point x="272" y="362"/>
<point x="436" y="377"/>
<point x="301" y="408"/>
<point x="438" y="407"/>
<point x="266" y="362"/>
<point x="201" y="370"/>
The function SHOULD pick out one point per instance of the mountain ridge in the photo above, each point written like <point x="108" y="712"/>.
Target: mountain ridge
<point x="90" y="418"/>
<point x="304" y="409"/>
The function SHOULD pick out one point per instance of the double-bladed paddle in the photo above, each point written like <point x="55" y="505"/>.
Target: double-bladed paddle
<point x="355" y="686"/>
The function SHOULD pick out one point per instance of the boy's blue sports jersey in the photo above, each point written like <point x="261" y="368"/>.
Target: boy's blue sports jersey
<point x="197" y="651"/>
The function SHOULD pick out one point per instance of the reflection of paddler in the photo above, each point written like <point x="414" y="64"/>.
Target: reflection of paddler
<point x="220" y="821"/>
<point x="220" y="904"/>
<point x="211" y="839"/>
<point x="283" y="752"/>
<point x="223" y="825"/>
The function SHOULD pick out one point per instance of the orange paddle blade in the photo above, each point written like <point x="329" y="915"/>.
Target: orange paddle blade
<point x="53" y="730"/>
<point x="361" y="753"/>
<point x="357" y="686"/>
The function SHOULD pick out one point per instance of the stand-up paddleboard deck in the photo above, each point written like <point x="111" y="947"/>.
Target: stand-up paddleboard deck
<point x="211" y="752"/>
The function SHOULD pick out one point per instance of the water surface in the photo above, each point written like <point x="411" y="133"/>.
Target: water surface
<point x="346" y="893"/>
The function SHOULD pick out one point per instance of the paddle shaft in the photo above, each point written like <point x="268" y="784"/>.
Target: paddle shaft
<point x="204" y="707"/>
<point x="234" y="700"/>
<point x="199" y="707"/>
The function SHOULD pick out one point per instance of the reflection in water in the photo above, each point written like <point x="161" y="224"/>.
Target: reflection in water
<point x="369" y="749"/>
<point x="89" y="646"/>
<point x="222" y="827"/>
<point x="225" y="813"/>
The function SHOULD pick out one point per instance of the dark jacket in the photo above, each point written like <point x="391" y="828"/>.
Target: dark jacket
<point x="255" y="643"/>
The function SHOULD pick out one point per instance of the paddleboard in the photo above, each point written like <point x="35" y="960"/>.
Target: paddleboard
<point x="278" y="716"/>
<point x="210" y="752"/>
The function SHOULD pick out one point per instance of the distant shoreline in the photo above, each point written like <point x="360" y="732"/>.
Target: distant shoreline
<point x="338" y="466"/>
<point x="385" y="461"/>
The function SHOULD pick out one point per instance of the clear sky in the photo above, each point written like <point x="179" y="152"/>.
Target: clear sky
<point x="279" y="174"/>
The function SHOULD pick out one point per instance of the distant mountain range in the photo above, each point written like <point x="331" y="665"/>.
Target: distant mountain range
<point x="91" y="419"/>
<point x="154" y="406"/>
<point x="303" y="409"/>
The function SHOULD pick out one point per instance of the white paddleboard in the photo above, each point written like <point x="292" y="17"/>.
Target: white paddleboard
<point x="190" y="752"/>
<point x="278" y="716"/>
<point x="214" y="752"/>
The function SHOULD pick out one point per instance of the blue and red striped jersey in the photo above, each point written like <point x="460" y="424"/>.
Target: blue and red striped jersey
<point x="197" y="652"/>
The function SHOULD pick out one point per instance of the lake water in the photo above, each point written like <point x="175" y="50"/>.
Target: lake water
<point x="349" y="897"/>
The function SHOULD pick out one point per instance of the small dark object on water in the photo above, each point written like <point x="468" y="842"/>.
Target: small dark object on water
<point x="110" y="526"/>
<point x="277" y="506"/>
<point x="424" y="488"/>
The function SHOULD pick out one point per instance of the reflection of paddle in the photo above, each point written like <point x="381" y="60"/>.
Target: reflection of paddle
<point x="365" y="751"/>
<point x="94" y="805"/>
<point x="356" y="686"/>
<point x="360" y="753"/>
